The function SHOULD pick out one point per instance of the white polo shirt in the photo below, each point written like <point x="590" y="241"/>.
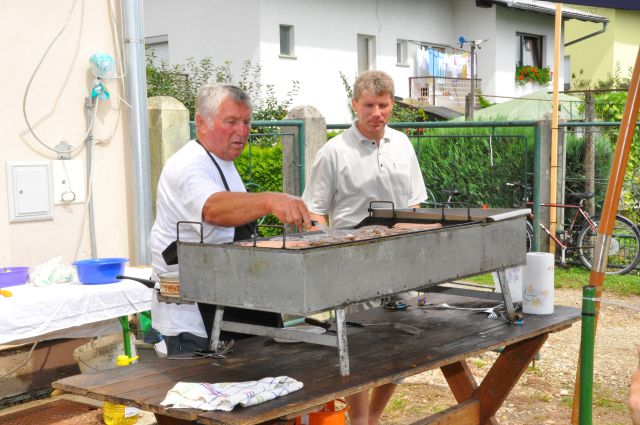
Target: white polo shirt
<point x="350" y="171"/>
<point x="188" y="178"/>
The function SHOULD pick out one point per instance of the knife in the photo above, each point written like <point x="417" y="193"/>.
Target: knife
<point x="323" y="227"/>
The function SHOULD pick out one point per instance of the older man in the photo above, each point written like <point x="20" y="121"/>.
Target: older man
<point x="368" y="162"/>
<point x="200" y="183"/>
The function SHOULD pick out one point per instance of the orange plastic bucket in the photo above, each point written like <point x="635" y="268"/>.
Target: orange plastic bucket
<point x="328" y="415"/>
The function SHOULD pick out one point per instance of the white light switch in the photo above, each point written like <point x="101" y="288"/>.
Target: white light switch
<point x="29" y="190"/>
<point x="68" y="182"/>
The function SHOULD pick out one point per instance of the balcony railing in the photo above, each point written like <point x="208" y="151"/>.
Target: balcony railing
<point x="443" y="91"/>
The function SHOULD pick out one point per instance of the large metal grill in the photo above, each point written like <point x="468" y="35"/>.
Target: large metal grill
<point x="304" y="281"/>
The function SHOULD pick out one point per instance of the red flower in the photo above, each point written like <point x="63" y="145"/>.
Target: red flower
<point x="521" y="77"/>
<point x="533" y="68"/>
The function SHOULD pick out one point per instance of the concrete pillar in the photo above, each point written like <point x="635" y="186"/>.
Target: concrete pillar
<point x="315" y="134"/>
<point x="168" y="132"/>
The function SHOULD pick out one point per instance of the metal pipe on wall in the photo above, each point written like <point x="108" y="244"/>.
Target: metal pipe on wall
<point x="136" y="84"/>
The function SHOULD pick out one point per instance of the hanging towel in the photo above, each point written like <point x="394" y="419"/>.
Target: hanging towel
<point x="225" y="395"/>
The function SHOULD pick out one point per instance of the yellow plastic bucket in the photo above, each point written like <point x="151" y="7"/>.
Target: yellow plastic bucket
<point x="328" y="415"/>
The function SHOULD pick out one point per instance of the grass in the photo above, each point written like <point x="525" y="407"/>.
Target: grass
<point x="577" y="277"/>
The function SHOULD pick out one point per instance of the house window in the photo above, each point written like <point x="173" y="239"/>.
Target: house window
<point x="286" y="40"/>
<point x="366" y="52"/>
<point x="401" y="52"/>
<point x="529" y="48"/>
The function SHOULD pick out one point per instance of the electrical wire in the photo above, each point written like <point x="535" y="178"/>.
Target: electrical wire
<point x="21" y="364"/>
<point x="35" y="71"/>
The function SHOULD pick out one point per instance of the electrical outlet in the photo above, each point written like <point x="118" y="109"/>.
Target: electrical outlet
<point x="68" y="182"/>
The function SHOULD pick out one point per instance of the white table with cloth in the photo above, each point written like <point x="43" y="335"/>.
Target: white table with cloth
<point x="70" y="310"/>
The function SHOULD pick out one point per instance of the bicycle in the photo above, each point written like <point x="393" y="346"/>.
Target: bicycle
<point x="449" y="203"/>
<point x="581" y="233"/>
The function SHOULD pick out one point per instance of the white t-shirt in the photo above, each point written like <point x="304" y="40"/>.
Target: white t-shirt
<point x="188" y="179"/>
<point x="350" y="171"/>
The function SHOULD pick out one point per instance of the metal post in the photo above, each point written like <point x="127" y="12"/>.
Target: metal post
<point x="587" y="341"/>
<point x="537" y="161"/>
<point x="215" y="330"/>
<point x="126" y="338"/>
<point x="472" y="99"/>
<point x="343" y="348"/>
<point x="140" y="168"/>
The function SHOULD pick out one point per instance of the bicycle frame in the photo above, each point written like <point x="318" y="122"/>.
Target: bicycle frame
<point x="566" y="244"/>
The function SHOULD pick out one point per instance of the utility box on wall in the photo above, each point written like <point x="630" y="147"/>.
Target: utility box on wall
<point x="29" y="190"/>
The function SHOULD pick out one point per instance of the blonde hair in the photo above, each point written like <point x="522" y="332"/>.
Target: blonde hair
<point x="377" y="83"/>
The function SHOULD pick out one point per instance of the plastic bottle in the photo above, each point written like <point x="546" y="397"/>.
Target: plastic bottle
<point x="118" y="414"/>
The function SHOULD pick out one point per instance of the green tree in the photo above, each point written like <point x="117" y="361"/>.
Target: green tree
<point x="183" y="81"/>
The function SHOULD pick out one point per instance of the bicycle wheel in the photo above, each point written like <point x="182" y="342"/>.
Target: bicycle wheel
<point x="529" y="236"/>
<point x="431" y="200"/>
<point x="624" y="249"/>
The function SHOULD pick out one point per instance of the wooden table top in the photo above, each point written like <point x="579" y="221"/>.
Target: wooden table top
<point x="378" y="354"/>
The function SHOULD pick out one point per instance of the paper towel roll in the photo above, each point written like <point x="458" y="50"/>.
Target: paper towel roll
<point x="514" y="279"/>
<point x="538" y="283"/>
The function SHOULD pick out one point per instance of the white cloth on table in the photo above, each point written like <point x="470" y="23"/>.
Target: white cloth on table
<point x="70" y="310"/>
<point x="226" y="395"/>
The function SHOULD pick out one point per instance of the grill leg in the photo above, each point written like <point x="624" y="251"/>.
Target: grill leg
<point x="343" y="349"/>
<point x="506" y="295"/>
<point x="215" y="330"/>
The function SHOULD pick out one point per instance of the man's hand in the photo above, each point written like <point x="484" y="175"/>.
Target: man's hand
<point x="289" y="209"/>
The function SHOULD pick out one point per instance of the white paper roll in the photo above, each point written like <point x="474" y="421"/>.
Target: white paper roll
<point x="538" y="283"/>
<point x="514" y="279"/>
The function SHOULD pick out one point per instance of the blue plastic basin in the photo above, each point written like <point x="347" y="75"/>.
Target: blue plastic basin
<point x="100" y="270"/>
<point x="11" y="276"/>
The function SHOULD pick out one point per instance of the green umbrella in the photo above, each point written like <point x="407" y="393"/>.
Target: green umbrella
<point x="533" y="106"/>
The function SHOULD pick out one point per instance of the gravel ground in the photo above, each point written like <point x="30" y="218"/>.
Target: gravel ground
<point x="544" y="393"/>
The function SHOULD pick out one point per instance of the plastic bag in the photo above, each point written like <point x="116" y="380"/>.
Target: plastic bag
<point x="53" y="271"/>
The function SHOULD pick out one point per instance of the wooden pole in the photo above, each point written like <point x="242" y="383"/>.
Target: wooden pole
<point x="611" y="200"/>
<point x="553" y="188"/>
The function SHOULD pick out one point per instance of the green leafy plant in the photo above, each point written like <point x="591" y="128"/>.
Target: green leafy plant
<point x="527" y="74"/>
<point x="183" y="81"/>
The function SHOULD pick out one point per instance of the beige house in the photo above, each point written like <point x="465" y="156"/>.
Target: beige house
<point x="47" y="78"/>
<point x="617" y="46"/>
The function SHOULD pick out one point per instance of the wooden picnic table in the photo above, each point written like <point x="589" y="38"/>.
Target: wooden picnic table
<point x="378" y="354"/>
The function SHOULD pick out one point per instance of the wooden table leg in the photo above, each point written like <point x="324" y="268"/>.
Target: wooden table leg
<point x="502" y="377"/>
<point x="168" y="420"/>
<point x="462" y="382"/>
<point x="504" y="374"/>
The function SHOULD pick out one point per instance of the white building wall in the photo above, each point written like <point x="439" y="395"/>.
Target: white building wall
<point x="476" y="23"/>
<point x="325" y="39"/>
<point x="196" y="29"/>
<point x="55" y="108"/>
<point x="325" y="44"/>
<point x="325" y="35"/>
<point x="511" y="21"/>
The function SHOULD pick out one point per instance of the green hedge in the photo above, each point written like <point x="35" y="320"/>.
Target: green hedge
<point x="261" y="170"/>
<point x="477" y="162"/>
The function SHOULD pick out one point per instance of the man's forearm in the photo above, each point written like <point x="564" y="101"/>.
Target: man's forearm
<point x="231" y="209"/>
